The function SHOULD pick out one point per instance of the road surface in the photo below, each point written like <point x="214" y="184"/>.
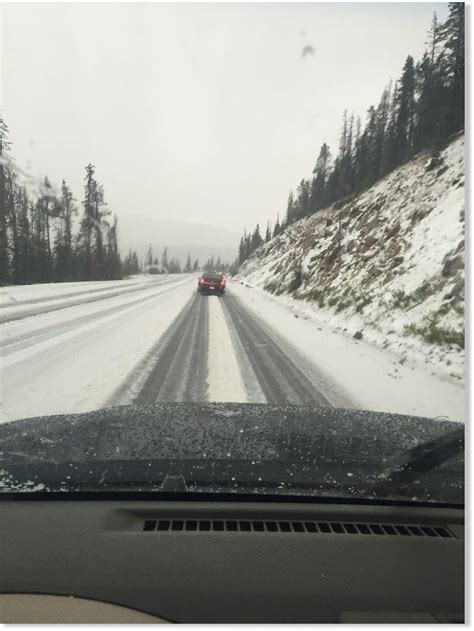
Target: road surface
<point x="141" y="342"/>
<point x="77" y="347"/>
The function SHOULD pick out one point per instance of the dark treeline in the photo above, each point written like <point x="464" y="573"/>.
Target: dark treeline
<point x="155" y="264"/>
<point x="217" y="265"/>
<point x="163" y="264"/>
<point x="42" y="237"/>
<point x="420" y="111"/>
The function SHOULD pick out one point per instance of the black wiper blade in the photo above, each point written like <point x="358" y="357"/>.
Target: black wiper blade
<point x="420" y="460"/>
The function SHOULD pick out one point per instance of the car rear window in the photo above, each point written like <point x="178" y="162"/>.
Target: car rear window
<point x="212" y="276"/>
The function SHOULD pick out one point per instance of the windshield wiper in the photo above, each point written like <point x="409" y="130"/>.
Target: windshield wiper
<point x="420" y="460"/>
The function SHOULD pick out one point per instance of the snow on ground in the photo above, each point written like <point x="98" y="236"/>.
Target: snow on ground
<point x="77" y="371"/>
<point x="76" y="359"/>
<point x="19" y="333"/>
<point x="12" y="295"/>
<point x="23" y="300"/>
<point x="387" y="265"/>
<point x="373" y="377"/>
<point x="225" y="381"/>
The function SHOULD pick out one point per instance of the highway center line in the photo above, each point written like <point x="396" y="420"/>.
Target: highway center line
<point x="225" y="381"/>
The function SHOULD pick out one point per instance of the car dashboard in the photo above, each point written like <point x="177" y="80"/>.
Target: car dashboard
<point x="144" y="559"/>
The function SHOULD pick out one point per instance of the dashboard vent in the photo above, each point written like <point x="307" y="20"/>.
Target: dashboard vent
<point x="311" y="527"/>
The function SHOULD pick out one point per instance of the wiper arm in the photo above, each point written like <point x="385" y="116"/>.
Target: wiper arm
<point x="421" y="460"/>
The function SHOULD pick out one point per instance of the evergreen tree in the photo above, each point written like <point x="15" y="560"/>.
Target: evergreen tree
<point x="68" y="211"/>
<point x="242" y="250"/>
<point x="405" y="114"/>
<point x="189" y="266"/>
<point x="24" y="239"/>
<point x="268" y="233"/>
<point x="4" y="211"/>
<point x="318" y="194"/>
<point x="11" y="204"/>
<point x="100" y="224"/>
<point x="290" y="209"/>
<point x="149" y="257"/>
<point x="164" y="260"/>
<point x="452" y="34"/>
<point x="257" y="240"/>
<point x="88" y="220"/>
<point x="302" y="206"/>
<point x="277" y="227"/>
<point x="112" y="263"/>
<point x="381" y="122"/>
<point x="195" y="265"/>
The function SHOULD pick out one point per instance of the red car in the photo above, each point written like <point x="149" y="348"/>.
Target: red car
<point x="211" y="283"/>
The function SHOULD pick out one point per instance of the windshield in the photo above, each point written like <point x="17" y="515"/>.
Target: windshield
<point x="212" y="277"/>
<point x="222" y="270"/>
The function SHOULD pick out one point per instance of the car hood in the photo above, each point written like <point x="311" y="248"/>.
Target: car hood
<point x="297" y="447"/>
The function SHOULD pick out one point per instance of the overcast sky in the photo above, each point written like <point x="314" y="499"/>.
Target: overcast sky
<point x="195" y="112"/>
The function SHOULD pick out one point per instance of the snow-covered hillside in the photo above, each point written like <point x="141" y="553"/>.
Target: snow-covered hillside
<point x="386" y="266"/>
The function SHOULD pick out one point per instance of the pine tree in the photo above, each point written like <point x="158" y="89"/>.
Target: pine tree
<point x="68" y="211"/>
<point x="164" y="260"/>
<point x="100" y="224"/>
<point x="24" y="239"/>
<point x="268" y="233"/>
<point x="88" y="220"/>
<point x="405" y="114"/>
<point x="381" y="122"/>
<point x="50" y="208"/>
<point x="4" y="211"/>
<point x="196" y="266"/>
<point x="11" y="204"/>
<point x="452" y="34"/>
<point x="242" y="252"/>
<point x="318" y="194"/>
<point x="290" y="209"/>
<point x="277" y="227"/>
<point x="257" y="240"/>
<point x="149" y="256"/>
<point x="188" y="267"/>
<point x="302" y="206"/>
<point x="112" y="262"/>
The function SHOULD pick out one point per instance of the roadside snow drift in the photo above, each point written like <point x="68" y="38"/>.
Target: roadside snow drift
<point x="386" y="266"/>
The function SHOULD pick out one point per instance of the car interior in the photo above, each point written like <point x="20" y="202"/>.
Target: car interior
<point x="136" y="560"/>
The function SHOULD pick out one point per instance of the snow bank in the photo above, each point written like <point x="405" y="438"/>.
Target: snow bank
<point x="386" y="266"/>
<point x="374" y="378"/>
<point x="78" y="369"/>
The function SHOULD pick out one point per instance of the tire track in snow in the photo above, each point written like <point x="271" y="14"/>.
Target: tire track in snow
<point x="216" y="350"/>
<point x="65" y="336"/>
<point x="280" y="378"/>
<point x="72" y="294"/>
<point x="16" y="343"/>
<point x="177" y="368"/>
<point x="22" y="315"/>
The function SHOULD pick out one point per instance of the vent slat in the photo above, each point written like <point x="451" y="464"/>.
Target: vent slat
<point x="296" y="527"/>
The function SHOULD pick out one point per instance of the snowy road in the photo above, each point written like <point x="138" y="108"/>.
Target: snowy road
<point x="78" y="347"/>
<point x="182" y="366"/>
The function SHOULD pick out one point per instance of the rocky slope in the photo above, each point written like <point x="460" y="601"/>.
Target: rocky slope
<point x="386" y="266"/>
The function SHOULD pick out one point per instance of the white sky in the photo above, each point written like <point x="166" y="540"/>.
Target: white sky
<point x="195" y="112"/>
